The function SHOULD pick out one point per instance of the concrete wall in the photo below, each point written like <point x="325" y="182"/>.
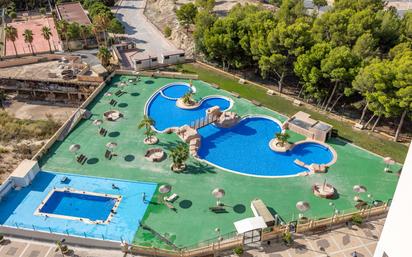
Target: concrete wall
<point x="46" y="236"/>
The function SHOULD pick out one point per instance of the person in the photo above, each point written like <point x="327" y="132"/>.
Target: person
<point x="144" y="197"/>
<point x="114" y="186"/>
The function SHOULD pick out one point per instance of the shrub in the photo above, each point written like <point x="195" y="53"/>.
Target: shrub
<point x="238" y="250"/>
<point x="42" y="11"/>
<point x="287" y="238"/>
<point x="168" y="31"/>
<point x="357" y="219"/>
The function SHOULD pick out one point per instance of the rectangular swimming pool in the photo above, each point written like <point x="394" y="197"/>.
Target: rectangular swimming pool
<point x="103" y="211"/>
<point x="85" y="206"/>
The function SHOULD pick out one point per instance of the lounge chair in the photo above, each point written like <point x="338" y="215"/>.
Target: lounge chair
<point x="299" y="162"/>
<point x="64" y="179"/>
<point x="170" y="206"/>
<point x="270" y="92"/>
<point x="217" y="209"/>
<point x="108" y="155"/>
<point x="171" y="198"/>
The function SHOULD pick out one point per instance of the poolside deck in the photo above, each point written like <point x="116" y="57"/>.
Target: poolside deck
<point x="193" y="222"/>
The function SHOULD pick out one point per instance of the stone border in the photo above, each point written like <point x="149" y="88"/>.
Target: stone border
<point x="117" y="198"/>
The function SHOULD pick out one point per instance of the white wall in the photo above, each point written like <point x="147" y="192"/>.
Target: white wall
<point x="396" y="240"/>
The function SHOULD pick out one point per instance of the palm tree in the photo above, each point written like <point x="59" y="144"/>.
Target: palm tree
<point x="85" y="31"/>
<point x="282" y="138"/>
<point x="104" y="55"/>
<point x="46" y="33"/>
<point x="187" y="98"/>
<point x="62" y="28"/>
<point x="102" y="22"/>
<point x="11" y="35"/>
<point x="179" y="155"/>
<point x="28" y="38"/>
<point x="147" y="123"/>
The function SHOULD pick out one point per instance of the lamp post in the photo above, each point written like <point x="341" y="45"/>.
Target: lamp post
<point x="335" y="211"/>
<point x="219" y="238"/>
<point x="370" y="197"/>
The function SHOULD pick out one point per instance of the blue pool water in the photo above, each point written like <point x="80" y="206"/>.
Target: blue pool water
<point x="245" y="148"/>
<point x="176" y="91"/>
<point x="91" y="207"/>
<point x="17" y="208"/>
<point x="166" y="114"/>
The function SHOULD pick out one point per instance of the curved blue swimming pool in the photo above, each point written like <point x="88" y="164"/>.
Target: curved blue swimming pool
<point x="166" y="114"/>
<point x="245" y="149"/>
<point x="176" y="91"/>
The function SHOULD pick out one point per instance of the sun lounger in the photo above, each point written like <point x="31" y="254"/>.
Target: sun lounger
<point x="217" y="209"/>
<point x="297" y="102"/>
<point x="170" y="206"/>
<point x="108" y="155"/>
<point x="171" y="198"/>
<point x="64" y="179"/>
<point x="215" y="85"/>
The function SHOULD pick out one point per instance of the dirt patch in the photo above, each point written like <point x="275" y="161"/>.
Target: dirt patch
<point x="31" y="111"/>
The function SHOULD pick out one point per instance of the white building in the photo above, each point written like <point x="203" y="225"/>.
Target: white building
<point x="396" y="234"/>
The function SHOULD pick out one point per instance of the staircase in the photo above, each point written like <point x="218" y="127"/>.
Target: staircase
<point x="71" y="123"/>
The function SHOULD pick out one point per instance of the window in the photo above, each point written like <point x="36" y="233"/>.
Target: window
<point x="167" y="57"/>
<point x="154" y="59"/>
<point x="182" y="55"/>
<point x="138" y="62"/>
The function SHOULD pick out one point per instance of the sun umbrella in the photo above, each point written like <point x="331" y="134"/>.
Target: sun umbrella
<point x="218" y="193"/>
<point x="97" y="122"/>
<point x="111" y="145"/>
<point x="164" y="189"/>
<point x="302" y="206"/>
<point x="74" y="148"/>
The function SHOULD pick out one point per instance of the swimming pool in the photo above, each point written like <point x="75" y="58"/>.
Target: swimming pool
<point x="64" y="203"/>
<point x="19" y="208"/>
<point x="244" y="149"/>
<point x="166" y="114"/>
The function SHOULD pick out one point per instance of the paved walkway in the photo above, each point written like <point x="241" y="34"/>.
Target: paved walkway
<point x="16" y="247"/>
<point x="140" y="29"/>
<point x="337" y="243"/>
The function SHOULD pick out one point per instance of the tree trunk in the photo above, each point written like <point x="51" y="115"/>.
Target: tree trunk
<point x="301" y="91"/>
<point x="280" y="82"/>
<point x="369" y="121"/>
<point x="15" y="49"/>
<point x="376" y="123"/>
<point x="336" y="101"/>
<point x="363" y="113"/>
<point x="331" y="95"/>
<point x="49" y="46"/>
<point x="84" y="42"/>
<point x="32" y="50"/>
<point x="324" y="102"/>
<point x="398" y="131"/>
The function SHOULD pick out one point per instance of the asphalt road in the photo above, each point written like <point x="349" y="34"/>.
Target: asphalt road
<point x="140" y="30"/>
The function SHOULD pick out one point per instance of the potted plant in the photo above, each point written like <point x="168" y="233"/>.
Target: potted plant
<point x="287" y="238"/>
<point x="357" y="219"/>
<point x="238" y="250"/>
<point x="60" y="247"/>
<point x="179" y="155"/>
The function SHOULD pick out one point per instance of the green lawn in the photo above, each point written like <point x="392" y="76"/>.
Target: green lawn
<point x="193" y="222"/>
<point x="279" y="104"/>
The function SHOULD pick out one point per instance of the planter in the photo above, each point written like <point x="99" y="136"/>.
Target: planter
<point x="178" y="169"/>
<point x="150" y="140"/>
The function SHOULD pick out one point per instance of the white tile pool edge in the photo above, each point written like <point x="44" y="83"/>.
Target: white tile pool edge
<point x="118" y="199"/>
